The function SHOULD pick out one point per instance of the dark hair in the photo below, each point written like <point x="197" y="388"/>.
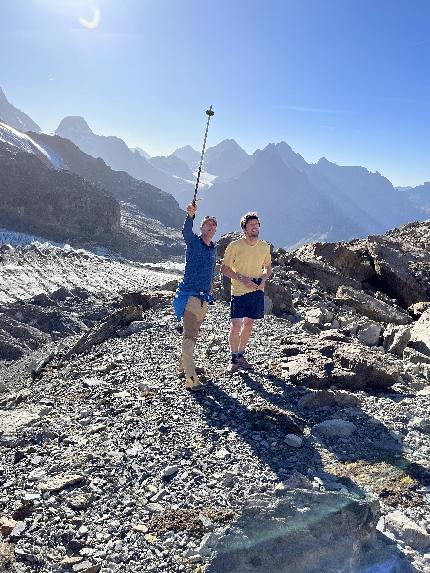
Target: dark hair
<point x="248" y="217"/>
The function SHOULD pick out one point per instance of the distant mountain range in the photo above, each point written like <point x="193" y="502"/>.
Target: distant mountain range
<point x="299" y="202"/>
<point x="418" y="196"/>
<point x="49" y="187"/>
<point x="119" y="157"/>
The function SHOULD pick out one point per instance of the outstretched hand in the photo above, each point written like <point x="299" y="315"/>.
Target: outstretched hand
<point x="191" y="209"/>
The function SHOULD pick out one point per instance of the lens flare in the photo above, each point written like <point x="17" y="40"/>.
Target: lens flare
<point x="94" y="22"/>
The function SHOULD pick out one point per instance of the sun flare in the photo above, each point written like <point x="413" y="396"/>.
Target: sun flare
<point x="94" y="22"/>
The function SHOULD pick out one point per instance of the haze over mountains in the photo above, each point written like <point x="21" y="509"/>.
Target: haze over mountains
<point x="119" y="157"/>
<point x="50" y="188"/>
<point x="298" y="201"/>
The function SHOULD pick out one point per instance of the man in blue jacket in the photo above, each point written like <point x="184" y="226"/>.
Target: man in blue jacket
<point x="194" y="292"/>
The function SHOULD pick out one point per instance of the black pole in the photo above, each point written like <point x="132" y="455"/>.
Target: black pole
<point x="209" y="113"/>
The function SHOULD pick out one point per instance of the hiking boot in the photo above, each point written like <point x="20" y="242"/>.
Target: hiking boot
<point x="234" y="367"/>
<point x="199" y="370"/>
<point x="244" y="364"/>
<point x="193" y="384"/>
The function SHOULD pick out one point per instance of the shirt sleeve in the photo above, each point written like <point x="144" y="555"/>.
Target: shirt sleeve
<point x="228" y="260"/>
<point x="268" y="258"/>
<point x="187" y="230"/>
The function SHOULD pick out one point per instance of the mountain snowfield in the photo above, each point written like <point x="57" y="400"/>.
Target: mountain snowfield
<point x="25" y="143"/>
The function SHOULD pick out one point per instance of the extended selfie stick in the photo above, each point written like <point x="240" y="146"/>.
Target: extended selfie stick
<point x="209" y="113"/>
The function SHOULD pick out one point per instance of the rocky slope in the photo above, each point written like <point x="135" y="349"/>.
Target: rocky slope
<point x="52" y="203"/>
<point x="316" y="461"/>
<point x="153" y="202"/>
<point x="53" y="190"/>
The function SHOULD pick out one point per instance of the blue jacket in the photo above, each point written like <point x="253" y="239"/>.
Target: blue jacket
<point x="200" y="261"/>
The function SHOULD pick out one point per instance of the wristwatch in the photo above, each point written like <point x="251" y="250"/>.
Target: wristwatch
<point x="239" y="277"/>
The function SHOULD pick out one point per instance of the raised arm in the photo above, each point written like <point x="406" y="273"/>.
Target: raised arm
<point x="187" y="229"/>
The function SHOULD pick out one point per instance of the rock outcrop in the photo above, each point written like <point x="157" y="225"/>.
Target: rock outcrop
<point x="152" y="202"/>
<point x="54" y="204"/>
<point x="334" y="361"/>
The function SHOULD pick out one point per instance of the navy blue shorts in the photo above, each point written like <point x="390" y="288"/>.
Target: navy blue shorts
<point x="249" y="305"/>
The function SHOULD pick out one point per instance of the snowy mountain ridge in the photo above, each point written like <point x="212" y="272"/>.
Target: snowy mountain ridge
<point x="25" y="143"/>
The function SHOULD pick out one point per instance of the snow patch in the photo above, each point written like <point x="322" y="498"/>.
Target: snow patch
<point x="25" y="143"/>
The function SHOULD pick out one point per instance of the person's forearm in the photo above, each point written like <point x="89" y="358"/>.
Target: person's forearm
<point x="231" y="274"/>
<point x="187" y="229"/>
<point x="266" y="274"/>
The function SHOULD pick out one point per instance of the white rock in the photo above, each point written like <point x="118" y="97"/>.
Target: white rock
<point x="370" y="334"/>
<point x="169" y="471"/>
<point x="403" y="528"/>
<point x="335" y="428"/>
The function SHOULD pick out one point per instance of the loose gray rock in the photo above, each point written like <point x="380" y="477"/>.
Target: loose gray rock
<point x="335" y="428"/>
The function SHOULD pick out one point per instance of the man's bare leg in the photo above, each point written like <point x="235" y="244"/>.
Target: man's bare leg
<point x="245" y="333"/>
<point x="235" y="330"/>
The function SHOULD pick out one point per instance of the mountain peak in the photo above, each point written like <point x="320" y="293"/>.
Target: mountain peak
<point x="227" y="145"/>
<point x="73" y="124"/>
<point x="286" y="153"/>
<point x="189" y="155"/>
<point x="15" y="117"/>
<point x="185" y="148"/>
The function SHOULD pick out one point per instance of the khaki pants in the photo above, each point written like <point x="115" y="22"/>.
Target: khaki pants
<point x="194" y="315"/>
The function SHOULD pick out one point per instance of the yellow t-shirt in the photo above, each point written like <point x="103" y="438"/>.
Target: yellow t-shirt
<point x="247" y="260"/>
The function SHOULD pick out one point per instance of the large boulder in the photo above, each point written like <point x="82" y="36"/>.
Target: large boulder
<point x="317" y="362"/>
<point x="420" y="334"/>
<point x="329" y="277"/>
<point x="396" y="339"/>
<point x="115" y="322"/>
<point x="371" y="307"/>
<point x="349" y="260"/>
<point x="401" y="270"/>
<point x="279" y="294"/>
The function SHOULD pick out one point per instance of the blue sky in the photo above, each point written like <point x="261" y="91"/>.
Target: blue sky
<point x="344" y="79"/>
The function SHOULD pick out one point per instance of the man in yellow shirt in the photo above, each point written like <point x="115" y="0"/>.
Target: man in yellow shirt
<point x="247" y="262"/>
